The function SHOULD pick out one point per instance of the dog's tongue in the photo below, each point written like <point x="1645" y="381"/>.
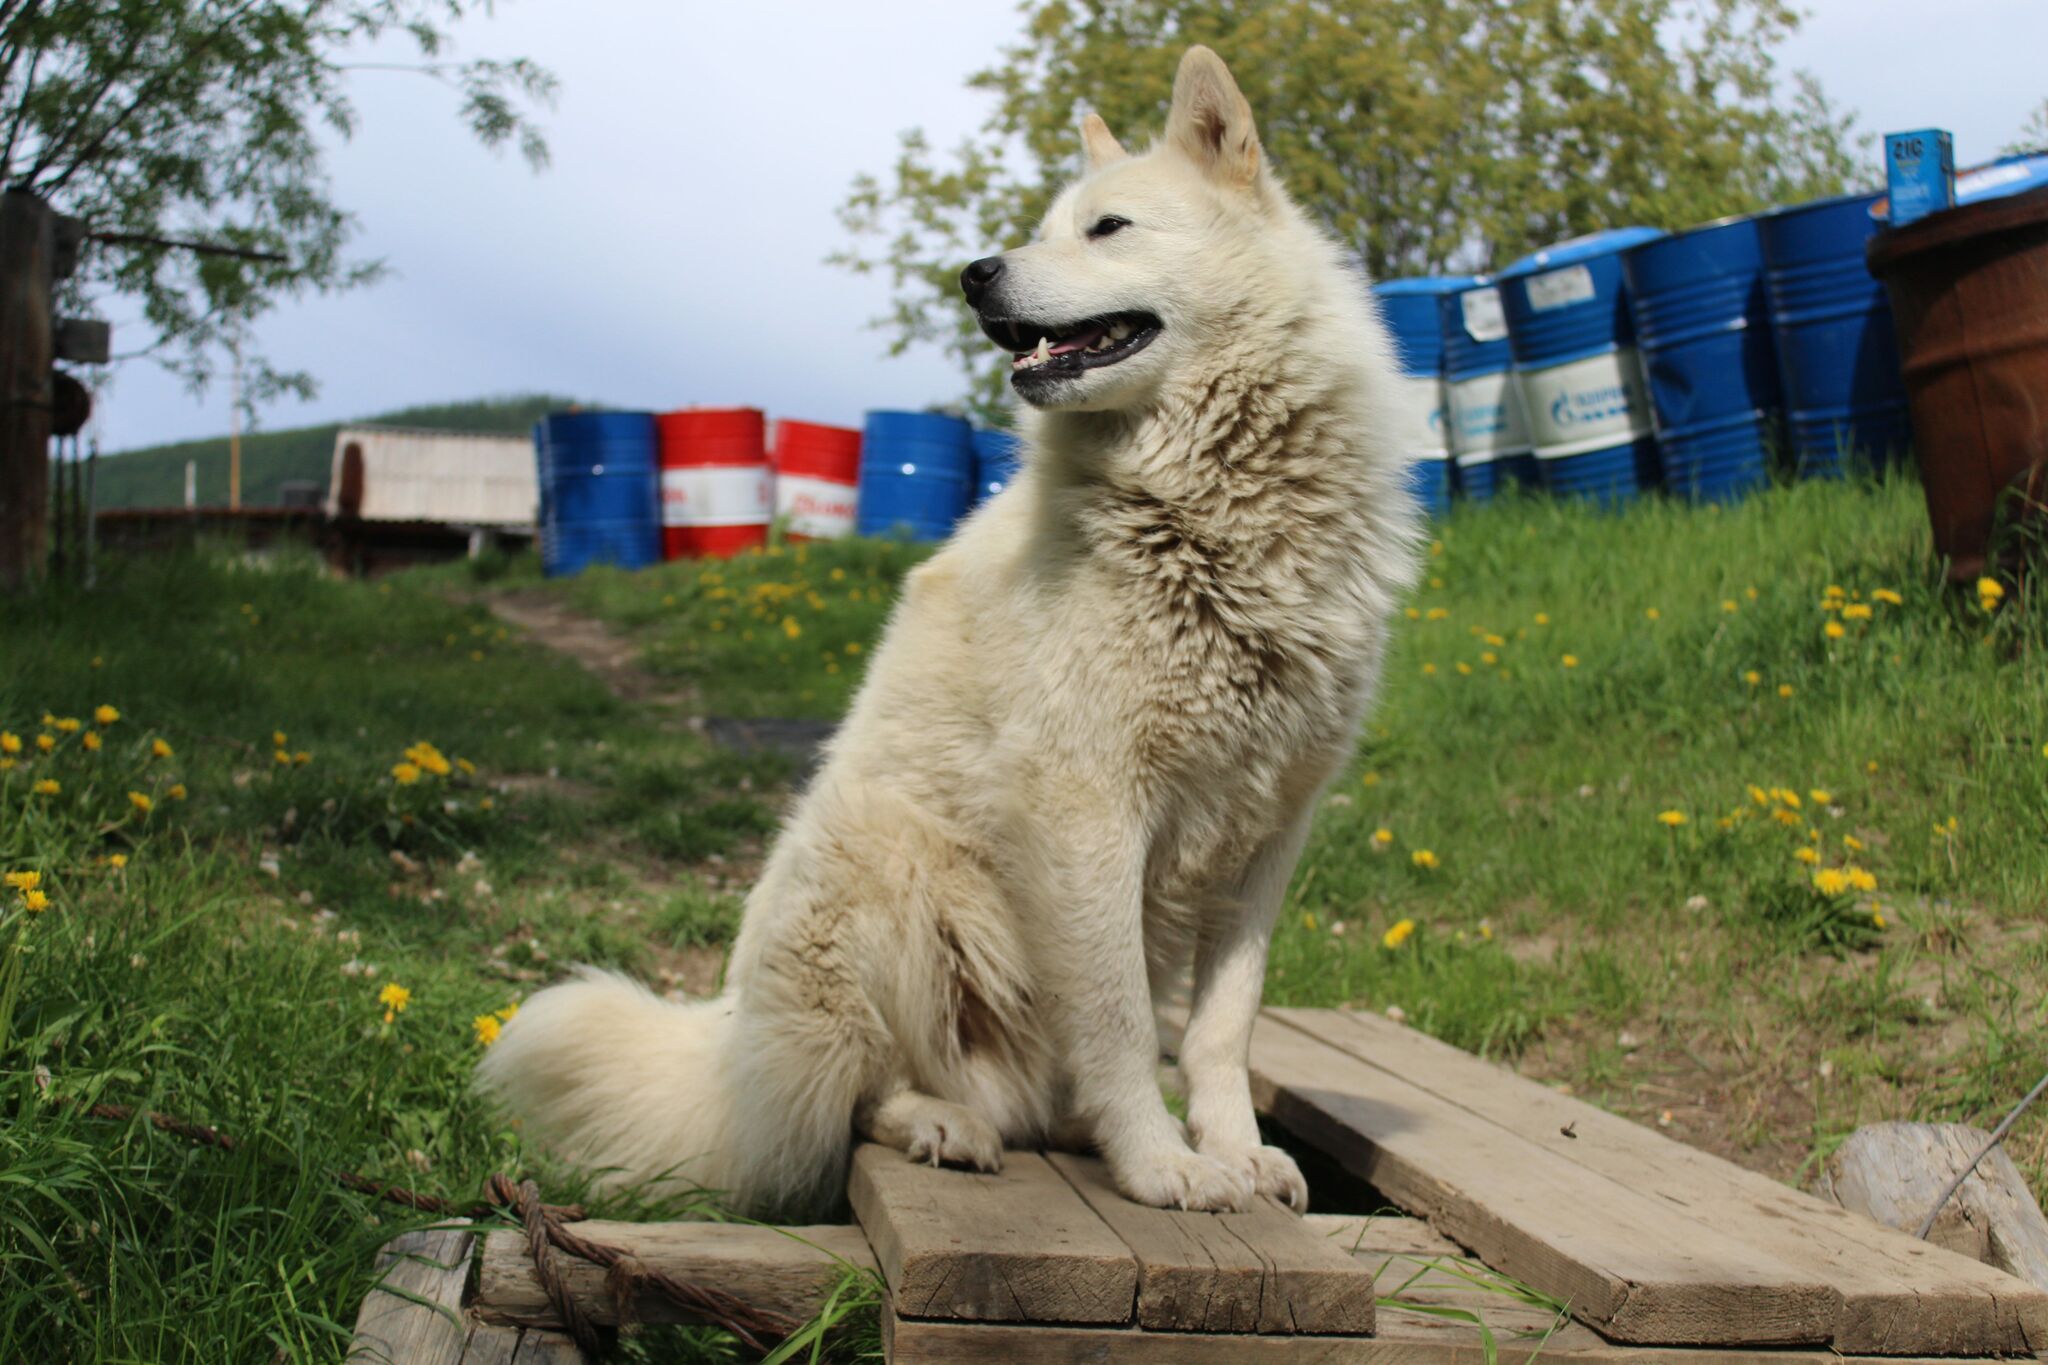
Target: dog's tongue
<point x="1080" y="341"/>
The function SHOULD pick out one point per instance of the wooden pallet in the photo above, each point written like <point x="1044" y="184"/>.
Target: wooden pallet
<point x="1664" y="1254"/>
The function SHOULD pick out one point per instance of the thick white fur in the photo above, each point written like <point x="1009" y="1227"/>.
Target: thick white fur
<point x="1085" y="755"/>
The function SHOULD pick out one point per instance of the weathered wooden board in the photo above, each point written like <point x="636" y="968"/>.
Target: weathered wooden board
<point x="1259" y="1271"/>
<point x="414" y="1315"/>
<point x="1016" y="1247"/>
<point x="1633" y="1265"/>
<point x="1894" y="1173"/>
<point x="546" y="1348"/>
<point x="1746" y="1239"/>
<point x="784" y="1270"/>
<point x="493" y="1344"/>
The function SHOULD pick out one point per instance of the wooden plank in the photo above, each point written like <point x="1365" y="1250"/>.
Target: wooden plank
<point x="1383" y="1234"/>
<point x="1636" y="1267"/>
<point x="1893" y="1294"/>
<point x="414" y="1314"/>
<point x="1258" y="1271"/>
<point x="492" y="1344"/>
<point x="784" y="1270"/>
<point x="1420" y="1341"/>
<point x="1894" y="1173"/>
<point x="547" y="1348"/>
<point x="1020" y="1246"/>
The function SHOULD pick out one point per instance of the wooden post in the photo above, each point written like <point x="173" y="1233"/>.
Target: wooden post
<point x="235" y="435"/>
<point x="27" y="252"/>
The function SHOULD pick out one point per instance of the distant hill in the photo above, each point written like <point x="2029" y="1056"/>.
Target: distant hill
<point x="154" y="476"/>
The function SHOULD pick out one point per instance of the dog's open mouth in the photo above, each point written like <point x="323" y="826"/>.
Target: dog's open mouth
<point x="1042" y="350"/>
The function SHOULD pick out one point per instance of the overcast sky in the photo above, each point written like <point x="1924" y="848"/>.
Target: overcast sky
<point x="674" y="252"/>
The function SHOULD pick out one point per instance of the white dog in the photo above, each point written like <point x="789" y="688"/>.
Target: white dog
<point x="1087" y="750"/>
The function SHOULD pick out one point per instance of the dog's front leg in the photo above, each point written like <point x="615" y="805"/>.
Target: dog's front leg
<point x="1100" y="1009"/>
<point x="1230" y="976"/>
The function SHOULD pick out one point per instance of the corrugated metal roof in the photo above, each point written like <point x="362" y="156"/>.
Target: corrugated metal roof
<point x="414" y="474"/>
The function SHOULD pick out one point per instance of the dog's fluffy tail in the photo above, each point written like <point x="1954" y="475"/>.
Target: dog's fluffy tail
<point x="622" y="1083"/>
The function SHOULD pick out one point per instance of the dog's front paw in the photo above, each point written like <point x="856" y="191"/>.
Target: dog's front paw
<point x="1272" y="1173"/>
<point x="1187" y="1180"/>
<point x="954" y="1135"/>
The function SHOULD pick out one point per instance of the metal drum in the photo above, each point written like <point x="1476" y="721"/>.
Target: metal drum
<point x="1575" y="356"/>
<point x="716" y="493"/>
<point x="916" y="474"/>
<point x="1489" y="431"/>
<point x="598" y="496"/>
<point x="1412" y="312"/>
<point x="1703" y="330"/>
<point x="1837" y="355"/>
<point x="996" y="459"/>
<point x="817" y="479"/>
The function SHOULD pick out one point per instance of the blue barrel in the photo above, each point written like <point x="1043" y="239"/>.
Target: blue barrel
<point x="1575" y="354"/>
<point x="1703" y="329"/>
<point x="1837" y="356"/>
<point x="1482" y="400"/>
<point x="600" y="502"/>
<point x="1412" y="311"/>
<point x="996" y="457"/>
<point x="916" y="474"/>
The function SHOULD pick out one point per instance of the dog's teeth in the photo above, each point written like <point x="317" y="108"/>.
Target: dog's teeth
<point x="1044" y="351"/>
<point x="1119" y="330"/>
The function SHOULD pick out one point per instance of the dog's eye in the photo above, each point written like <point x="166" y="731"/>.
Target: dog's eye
<point x="1107" y="224"/>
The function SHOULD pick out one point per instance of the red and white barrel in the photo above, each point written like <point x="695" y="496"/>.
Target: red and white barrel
<point x="817" y="479"/>
<point x="716" y="490"/>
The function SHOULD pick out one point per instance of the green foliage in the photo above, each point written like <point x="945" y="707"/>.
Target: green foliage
<point x="1426" y="134"/>
<point x="2033" y="133"/>
<point x="154" y="476"/>
<point x="199" y="118"/>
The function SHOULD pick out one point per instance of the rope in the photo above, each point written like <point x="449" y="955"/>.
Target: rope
<point x="1997" y="1136"/>
<point x="626" y="1276"/>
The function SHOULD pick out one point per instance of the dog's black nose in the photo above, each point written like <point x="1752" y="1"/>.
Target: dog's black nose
<point x="978" y="276"/>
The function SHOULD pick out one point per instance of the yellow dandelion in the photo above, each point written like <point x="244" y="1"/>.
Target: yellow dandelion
<point x="468" y="768"/>
<point x="1821" y="796"/>
<point x="1785" y="690"/>
<point x="1784" y="817"/>
<point x="1809" y="854"/>
<point x="427" y="758"/>
<point x="1429" y="670"/>
<point x="486" y="804"/>
<point x="1397" y="934"/>
<point x="1425" y="860"/>
<point x="1464" y="669"/>
<point x="105" y="715"/>
<point x="277" y="739"/>
<point x="1852" y="843"/>
<point x="1489" y="658"/>
<point x="47" y="787"/>
<point x="1382" y="838"/>
<point x="394" y="998"/>
<point x="117" y="861"/>
<point x="1652" y="613"/>
<point x="1672" y="818"/>
<point x="141" y="802"/>
<point x="177" y="791"/>
<point x="1759" y="795"/>
<point x="159" y="749"/>
<point x="791" y="628"/>
<point x="1870" y="765"/>
<point x="68" y="725"/>
<point x="35" y="900"/>
<point x="1888" y="597"/>
<point x="282" y="758"/>
<point x="405" y="773"/>
<point x="1439" y="614"/>
<point x="1990" y="589"/>
<point x="1413" y="613"/>
<point x="505" y="1014"/>
<point x="1308" y="921"/>
<point x="1752" y="677"/>
<point x="1834" y="630"/>
<point x="1831" y="881"/>
<point x="1877" y="919"/>
<point x="1860" y="879"/>
<point x="1570" y="661"/>
<point x="91" y="741"/>
<point x="301" y="758"/>
<point x="23" y="881"/>
<point x="1497" y="641"/>
<point x="487" y="1028"/>
<point x="1729" y="604"/>
<point x="1790" y="798"/>
<point x="1542" y="618"/>
<point x="853" y="646"/>
<point x="1725" y="822"/>
<point x="46" y="742"/>
<point x="1856" y="611"/>
<point x="1835" y="590"/>
<point x="1369" y="780"/>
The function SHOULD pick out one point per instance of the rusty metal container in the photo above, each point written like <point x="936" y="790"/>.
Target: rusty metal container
<point x="1969" y="290"/>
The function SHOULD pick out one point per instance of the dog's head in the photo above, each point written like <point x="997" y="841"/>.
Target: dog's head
<point x="1141" y="264"/>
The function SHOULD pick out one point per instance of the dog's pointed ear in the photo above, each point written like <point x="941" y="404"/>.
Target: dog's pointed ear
<point x="1101" y="145"/>
<point x="1211" y="122"/>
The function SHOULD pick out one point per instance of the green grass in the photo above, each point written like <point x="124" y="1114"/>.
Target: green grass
<point x="154" y="476"/>
<point x="1686" y="974"/>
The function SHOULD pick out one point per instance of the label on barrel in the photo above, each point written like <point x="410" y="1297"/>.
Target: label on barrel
<point x="1486" y="418"/>
<point x="1484" y="320"/>
<point x="716" y="495"/>
<point x="1559" y="288"/>
<point x="1586" y="404"/>
<point x="817" y="508"/>
<point x="1422" y="418"/>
